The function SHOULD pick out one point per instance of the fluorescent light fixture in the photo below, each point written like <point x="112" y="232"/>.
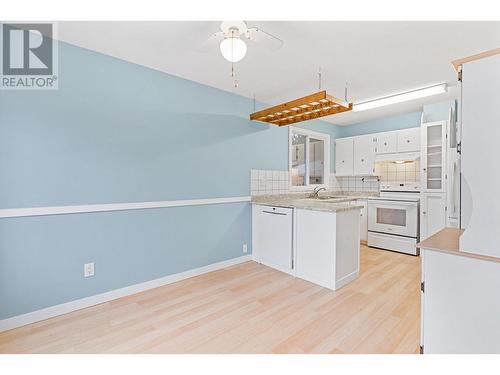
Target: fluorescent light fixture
<point x="398" y="98"/>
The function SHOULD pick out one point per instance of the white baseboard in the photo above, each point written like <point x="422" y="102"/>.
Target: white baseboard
<point x="52" y="311"/>
<point x="346" y="279"/>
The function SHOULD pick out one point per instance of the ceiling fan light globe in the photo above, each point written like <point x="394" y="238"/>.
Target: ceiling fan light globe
<point x="233" y="49"/>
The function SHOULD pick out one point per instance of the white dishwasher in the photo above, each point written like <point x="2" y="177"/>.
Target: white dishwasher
<point x="272" y="236"/>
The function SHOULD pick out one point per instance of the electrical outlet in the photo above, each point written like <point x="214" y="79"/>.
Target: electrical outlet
<point x="245" y="248"/>
<point x="88" y="269"/>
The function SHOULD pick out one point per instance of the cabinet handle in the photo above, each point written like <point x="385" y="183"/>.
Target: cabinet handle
<point x="362" y="160"/>
<point x="425" y="169"/>
<point x="424" y="212"/>
<point x="407" y="141"/>
<point x="274" y="213"/>
<point x="385" y="143"/>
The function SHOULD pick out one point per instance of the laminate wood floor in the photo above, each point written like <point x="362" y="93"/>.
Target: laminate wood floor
<point x="247" y="308"/>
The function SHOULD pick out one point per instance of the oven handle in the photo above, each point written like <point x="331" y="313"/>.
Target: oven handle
<point x="392" y="203"/>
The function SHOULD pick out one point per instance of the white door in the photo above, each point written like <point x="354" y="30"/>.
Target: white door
<point x="432" y="214"/>
<point x="272" y="236"/>
<point x="433" y="156"/>
<point x="387" y="142"/>
<point x="344" y="157"/>
<point x="409" y="140"/>
<point x="364" y="155"/>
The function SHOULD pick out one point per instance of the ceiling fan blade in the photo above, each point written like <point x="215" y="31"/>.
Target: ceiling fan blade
<point x="263" y="38"/>
<point x="212" y="42"/>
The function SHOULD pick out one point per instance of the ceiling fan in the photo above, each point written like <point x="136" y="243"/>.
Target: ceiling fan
<point x="233" y="37"/>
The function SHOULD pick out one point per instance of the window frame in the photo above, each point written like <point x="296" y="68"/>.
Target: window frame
<point x="326" y="154"/>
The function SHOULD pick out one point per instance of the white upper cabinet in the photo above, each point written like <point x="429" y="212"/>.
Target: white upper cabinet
<point x="355" y="156"/>
<point x="387" y="142"/>
<point x="344" y="148"/>
<point x="364" y="155"/>
<point x="409" y="140"/>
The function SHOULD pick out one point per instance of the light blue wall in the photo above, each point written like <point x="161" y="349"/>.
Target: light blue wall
<point x="119" y="132"/>
<point x="406" y="120"/>
<point x="438" y="111"/>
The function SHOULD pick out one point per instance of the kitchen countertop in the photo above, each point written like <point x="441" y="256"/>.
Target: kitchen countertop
<point x="336" y="204"/>
<point x="447" y="241"/>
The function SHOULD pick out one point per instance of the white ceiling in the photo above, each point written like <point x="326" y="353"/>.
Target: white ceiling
<point x="375" y="58"/>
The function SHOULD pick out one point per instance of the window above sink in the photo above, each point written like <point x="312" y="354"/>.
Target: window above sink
<point x="309" y="159"/>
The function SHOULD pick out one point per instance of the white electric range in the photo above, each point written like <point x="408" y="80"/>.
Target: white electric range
<point x="393" y="218"/>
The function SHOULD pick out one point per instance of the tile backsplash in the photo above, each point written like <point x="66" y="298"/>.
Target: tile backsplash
<point x="357" y="183"/>
<point x="266" y="182"/>
<point x="402" y="173"/>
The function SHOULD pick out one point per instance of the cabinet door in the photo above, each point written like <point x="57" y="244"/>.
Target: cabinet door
<point x="272" y="236"/>
<point x="387" y="142"/>
<point x="364" y="155"/>
<point x="432" y="214"/>
<point x="460" y="305"/>
<point x="316" y="247"/>
<point x="433" y="156"/>
<point x="479" y="157"/>
<point x="363" y="223"/>
<point x="344" y="157"/>
<point x="409" y="140"/>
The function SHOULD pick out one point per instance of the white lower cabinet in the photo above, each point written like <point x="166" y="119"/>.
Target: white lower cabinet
<point x="327" y="247"/>
<point x="432" y="214"/>
<point x="318" y="246"/>
<point x="460" y="307"/>
<point x="363" y="219"/>
<point x="272" y="236"/>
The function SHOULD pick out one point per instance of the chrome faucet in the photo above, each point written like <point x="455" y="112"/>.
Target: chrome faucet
<point x="315" y="193"/>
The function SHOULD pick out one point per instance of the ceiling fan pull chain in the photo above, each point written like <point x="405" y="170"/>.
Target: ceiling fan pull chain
<point x="319" y="79"/>
<point x="233" y="75"/>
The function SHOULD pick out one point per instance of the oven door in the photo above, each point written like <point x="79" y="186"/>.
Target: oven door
<point x="393" y="217"/>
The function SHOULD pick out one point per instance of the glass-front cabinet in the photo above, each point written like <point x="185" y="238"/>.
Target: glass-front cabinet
<point x="433" y="156"/>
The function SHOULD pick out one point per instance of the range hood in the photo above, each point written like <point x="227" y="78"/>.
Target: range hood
<point x="397" y="157"/>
